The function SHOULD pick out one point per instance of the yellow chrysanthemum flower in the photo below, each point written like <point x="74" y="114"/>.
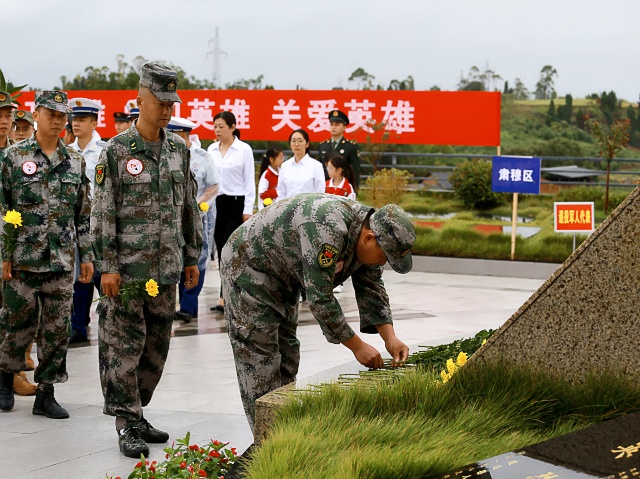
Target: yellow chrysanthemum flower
<point x="152" y="288"/>
<point x="13" y="217"/>
<point x="461" y="360"/>
<point x="204" y="206"/>
<point x="267" y="201"/>
<point x="445" y="377"/>
<point x="484" y="341"/>
<point x="451" y="366"/>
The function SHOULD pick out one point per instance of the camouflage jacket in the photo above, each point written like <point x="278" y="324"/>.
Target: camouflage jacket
<point x="52" y="195"/>
<point x="309" y="242"/>
<point x="145" y="222"/>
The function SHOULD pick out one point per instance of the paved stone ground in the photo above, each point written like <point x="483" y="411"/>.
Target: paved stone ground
<point x="199" y="392"/>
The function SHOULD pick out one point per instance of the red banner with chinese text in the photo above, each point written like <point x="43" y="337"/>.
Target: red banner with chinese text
<point x="410" y="117"/>
<point x="573" y="217"/>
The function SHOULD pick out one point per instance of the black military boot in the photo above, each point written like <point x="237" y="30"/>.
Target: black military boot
<point x="46" y="404"/>
<point x="150" y="433"/>
<point x="7" y="399"/>
<point x="131" y="442"/>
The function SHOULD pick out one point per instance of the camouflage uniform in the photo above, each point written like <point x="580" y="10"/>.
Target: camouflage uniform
<point x="52" y="196"/>
<point x="304" y="242"/>
<point x="145" y="224"/>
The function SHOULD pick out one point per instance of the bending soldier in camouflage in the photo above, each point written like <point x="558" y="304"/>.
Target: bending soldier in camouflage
<point x="45" y="182"/>
<point x="145" y="224"/>
<point x="311" y="242"/>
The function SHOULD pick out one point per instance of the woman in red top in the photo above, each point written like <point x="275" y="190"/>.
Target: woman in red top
<point x="268" y="183"/>
<point x="341" y="177"/>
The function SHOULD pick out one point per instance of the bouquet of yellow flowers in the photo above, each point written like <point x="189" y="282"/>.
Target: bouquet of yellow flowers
<point x="12" y="220"/>
<point x="135" y="290"/>
<point x="204" y="206"/>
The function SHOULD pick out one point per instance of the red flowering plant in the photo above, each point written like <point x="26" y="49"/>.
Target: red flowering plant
<point x="188" y="461"/>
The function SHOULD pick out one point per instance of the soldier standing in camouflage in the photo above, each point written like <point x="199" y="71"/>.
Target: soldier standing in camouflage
<point x="45" y="182"/>
<point x="311" y="242"/>
<point x="339" y="145"/>
<point x="145" y="224"/>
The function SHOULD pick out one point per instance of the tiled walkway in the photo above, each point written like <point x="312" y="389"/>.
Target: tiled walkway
<point x="198" y="391"/>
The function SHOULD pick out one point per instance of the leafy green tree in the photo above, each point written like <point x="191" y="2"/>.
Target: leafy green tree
<point x="609" y="143"/>
<point x="551" y="113"/>
<point x="406" y="84"/>
<point x="249" y="84"/>
<point x="565" y="112"/>
<point x="520" y="92"/>
<point x="545" y="86"/>
<point x="471" y="183"/>
<point x="363" y="79"/>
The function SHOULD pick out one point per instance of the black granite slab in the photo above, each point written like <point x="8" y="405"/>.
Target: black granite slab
<point x="610" y="450"/>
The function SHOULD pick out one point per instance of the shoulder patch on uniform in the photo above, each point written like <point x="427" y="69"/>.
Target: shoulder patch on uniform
<point x="172" y="145"/>
<point x="327" y="255"/>
<point x="99" y="174"/>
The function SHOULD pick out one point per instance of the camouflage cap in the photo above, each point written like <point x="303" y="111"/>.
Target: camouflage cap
<point x="162" y="81"/>
<point x="53" y="100"/>
<point x="5" y="99"/>
<point x="395" y="234"/>
<point x="23" y="115"/>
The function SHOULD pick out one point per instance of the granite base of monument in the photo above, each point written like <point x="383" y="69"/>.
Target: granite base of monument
<point x="610" y="450"/>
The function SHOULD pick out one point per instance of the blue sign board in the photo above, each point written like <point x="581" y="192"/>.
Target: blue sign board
<point x="516" y="174"/>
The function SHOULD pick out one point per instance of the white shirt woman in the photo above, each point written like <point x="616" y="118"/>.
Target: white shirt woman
<point x="300" y="174"/>
<point x="237" y="172"/>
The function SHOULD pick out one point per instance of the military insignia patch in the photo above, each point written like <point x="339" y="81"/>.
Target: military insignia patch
<point x="134" y="166"/>
<point x="99" y="174"/>
<point x="327" y="255"/>
<point x="78" y="103"/>
<point x="2" y="97"/>
<point x="405" y="253"/>
<point x="58" y="98"/>
<point x="171" y="86"/>
<point x="29" y="168"/>
<point x="19" y="114"/>
<point x="335" y="113"/>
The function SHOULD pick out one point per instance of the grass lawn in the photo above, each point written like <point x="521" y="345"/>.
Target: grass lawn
<point x="414" y="426"/>
<point x="457" y="238"/>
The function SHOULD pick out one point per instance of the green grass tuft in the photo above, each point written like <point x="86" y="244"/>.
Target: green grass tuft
<point x="414" y="427"/>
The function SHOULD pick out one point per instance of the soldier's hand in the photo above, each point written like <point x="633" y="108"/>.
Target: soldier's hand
<point x="366" y="354"/>
<point x="397" y="349"/>
<point x="6" y="270"/>
<point x="245" y="217"/>
<point x="86" y="272"/>
<point x="191" y="276"/>
<point x="110" y="284"/>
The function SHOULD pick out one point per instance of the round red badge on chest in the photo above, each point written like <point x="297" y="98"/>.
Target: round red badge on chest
<point x="134" y="166"/>
<point x="29" y="168"/>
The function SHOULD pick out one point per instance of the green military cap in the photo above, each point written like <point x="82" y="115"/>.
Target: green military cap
<point x="5" y="99"/>
<point x="395" y="234"/>
<point x="162" y="81"/>
<point x="337" y="115"/>
<point x="53" y="100"/>
<point x="23" y="115"/>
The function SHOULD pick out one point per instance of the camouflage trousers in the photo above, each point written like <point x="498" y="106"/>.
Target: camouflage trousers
<point x="132" y="349"/>
<point x="262" y="318"/>
<point x="19" y="321"/>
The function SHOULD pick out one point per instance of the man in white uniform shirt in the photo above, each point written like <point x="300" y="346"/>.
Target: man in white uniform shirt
<point x="84" y="114"/>
<point x="208" y="181"/>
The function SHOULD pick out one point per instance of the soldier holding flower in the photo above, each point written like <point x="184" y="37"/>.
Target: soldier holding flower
<point x="44" y="182"/>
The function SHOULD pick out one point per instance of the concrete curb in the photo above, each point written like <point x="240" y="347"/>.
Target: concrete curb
<point x="483" y="267"/>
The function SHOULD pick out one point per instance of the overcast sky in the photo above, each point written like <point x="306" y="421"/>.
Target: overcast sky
<point x="593" y="44"/>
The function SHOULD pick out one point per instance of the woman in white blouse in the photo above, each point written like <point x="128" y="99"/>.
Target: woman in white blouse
<point x="300" y="174"/>
<point x="234" y="161"/>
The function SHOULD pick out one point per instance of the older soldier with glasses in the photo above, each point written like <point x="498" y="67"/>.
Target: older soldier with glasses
<point x="145" y="225"/>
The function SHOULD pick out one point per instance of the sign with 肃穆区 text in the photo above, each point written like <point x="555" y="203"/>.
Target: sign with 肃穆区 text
<point x="576" y="217"/>
<point x="515" y="174"/>
<point x="403" y="117"/>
